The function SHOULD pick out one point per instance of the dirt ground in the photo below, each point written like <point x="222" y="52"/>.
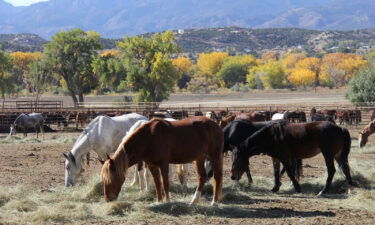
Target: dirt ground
<point x="40" y="166"/>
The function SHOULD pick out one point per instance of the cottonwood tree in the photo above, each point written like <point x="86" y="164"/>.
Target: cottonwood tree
<point x="7" y="81"/>
<point x="149" y="67"/>
<point x="71" y="54"/>
<point x="40" y="77"/>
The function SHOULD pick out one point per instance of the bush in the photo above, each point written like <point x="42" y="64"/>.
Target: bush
<point x="362" y="86"/>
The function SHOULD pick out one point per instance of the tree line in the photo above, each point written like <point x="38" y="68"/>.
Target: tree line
<point x="152" y="67"/>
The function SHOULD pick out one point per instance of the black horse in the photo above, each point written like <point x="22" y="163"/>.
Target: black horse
<point x="235" y="133"/>
<point x="287" y="141"/>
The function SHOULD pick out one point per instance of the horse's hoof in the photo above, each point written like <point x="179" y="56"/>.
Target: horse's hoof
<point x="321" y="194"/>
<point x="213" y="203"/>
<point x="275" y="189"/>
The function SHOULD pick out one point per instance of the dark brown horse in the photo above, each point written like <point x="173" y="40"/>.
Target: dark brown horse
<point x="287" y="141"/>
<point x="365" y="133"/>
<point x="159" y="143"/>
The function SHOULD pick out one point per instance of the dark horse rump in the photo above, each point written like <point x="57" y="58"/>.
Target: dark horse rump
<point x="286" y="141"/>
<point x="235" y="133"/>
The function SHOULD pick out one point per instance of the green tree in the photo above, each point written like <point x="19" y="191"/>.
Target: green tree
<point x="268" y="75"/>
<point x="40" y="77"/>
<point x="149" y="67"/>
<point x="110" y="71"/>
<point x="362" y="86"/>
<point x="71" y="53"/>
<point x="7" y="81"/>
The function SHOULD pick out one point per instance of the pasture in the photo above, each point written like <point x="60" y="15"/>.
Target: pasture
<point x="32" y="191"/>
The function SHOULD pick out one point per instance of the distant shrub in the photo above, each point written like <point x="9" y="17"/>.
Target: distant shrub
<point x="362" y="86"/>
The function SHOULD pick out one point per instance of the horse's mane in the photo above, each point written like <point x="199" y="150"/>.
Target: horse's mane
<point x="369" y="128"/>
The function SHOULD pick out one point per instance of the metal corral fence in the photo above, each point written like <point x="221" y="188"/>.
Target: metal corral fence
<point x="55" y="113"/>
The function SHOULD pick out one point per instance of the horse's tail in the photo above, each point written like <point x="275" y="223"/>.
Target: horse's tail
<point x="346" y="147"/>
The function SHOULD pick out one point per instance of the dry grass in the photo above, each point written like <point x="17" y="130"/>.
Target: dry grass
<point x="18" y="139"/>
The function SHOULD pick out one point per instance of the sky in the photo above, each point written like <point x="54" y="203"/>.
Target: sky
<point x="23" y="2"/>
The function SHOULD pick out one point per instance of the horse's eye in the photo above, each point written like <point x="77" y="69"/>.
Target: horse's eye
<point x="67" y="167"/>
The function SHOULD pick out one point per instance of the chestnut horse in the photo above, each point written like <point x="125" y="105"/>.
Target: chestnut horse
<point x="287" y="141"/>
<point x="159" y="143"/>
<point x="365" y="133"/>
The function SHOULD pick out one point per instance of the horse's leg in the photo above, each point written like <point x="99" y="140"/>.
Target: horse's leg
<point x="299" y="170"/>
<point x="36" y="130"/>
<point x="164" y="169"/>
<point x="181" y="169"/>
<point x="249" y="178"/>
<point x="291" y="175"/>
<point x="171" y="172"/>
<point x="42" y="130"/>
<point x="208" y="167"/>
<point x="156" y="175"/>
<point x="331" y="172"/>
<point x="218" y="180"/>
<point x="276" y="174"/>
<point x="199" y="164"/>
<point x="136" y="176"/>
<point x="344" y="166"/>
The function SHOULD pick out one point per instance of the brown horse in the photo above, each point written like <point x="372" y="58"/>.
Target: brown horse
<point x="287" y="141"/>
<point x="159" y="143"/>
<point x="365" y="133"/>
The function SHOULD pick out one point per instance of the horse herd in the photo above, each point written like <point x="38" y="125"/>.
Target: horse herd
<point x="157" y="143"/>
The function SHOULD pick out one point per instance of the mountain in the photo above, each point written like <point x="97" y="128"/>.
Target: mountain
<point x="116" y="18"/>
<point x="231" y="39"/>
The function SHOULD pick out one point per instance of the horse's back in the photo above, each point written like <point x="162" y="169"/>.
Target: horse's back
<point x="188" y="137"/>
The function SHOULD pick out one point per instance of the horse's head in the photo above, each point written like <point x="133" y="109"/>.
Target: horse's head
<point x="13" y="129"/>
<point x="240" y="163"/>
<point x="72" y="169"/>
<point x="363" y="135"/>
<point x="112" y="178"/>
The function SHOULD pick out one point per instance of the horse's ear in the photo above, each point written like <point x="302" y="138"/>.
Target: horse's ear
<point x="66" y="155"/>
<point x="108" y="158"/>
<point x="101" y="161"/>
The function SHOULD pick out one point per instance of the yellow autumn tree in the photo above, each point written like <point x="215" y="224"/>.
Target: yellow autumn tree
<point x="210" y="63"/>
<point x="108" y="53"/>
<point x="302" y="77"/>
<point x="290" y="61"/>
<point x="339" y="68"/>
<point x="182" y="64"/>
<point x="270" y="55"/>
<point x="304" y="70"/>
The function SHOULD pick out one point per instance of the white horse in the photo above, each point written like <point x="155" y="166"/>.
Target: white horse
<point x="280" y="116"/>
<point x="142" y="175"/>
<point x="102" y="135"/>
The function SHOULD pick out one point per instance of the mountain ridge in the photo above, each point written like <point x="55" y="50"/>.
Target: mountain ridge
<point x="116" y="18"/>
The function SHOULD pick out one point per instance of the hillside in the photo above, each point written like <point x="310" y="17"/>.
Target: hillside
<point x="231" y="39"/>
<point x="116" y="18"/>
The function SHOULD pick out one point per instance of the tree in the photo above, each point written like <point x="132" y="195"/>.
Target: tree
<point x="7" y="81"/>
<point x="149" y="67"/>
<point x="339" y="68"/>
<point x="22" y="61"/>
<point x="362" y="86"/>
<point x="71" y="53"/>
<point x="184" y="67"/>
<point x="306" y="72"/>
<point x="268" y="75"/>
<point x="234" y="69"/>
<point x="40" y="77"/>
<point x="109" y="69"/>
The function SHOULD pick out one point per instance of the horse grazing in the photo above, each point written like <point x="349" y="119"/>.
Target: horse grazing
<point x="27" y="121"/>
<point x="102" y="135"/>
<point x="320" y="116"/>
<point x="287" y="141"/>
<point x="159" y="143"/>
<point x="141" y="175"/>
<point x="365" y="133"/>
